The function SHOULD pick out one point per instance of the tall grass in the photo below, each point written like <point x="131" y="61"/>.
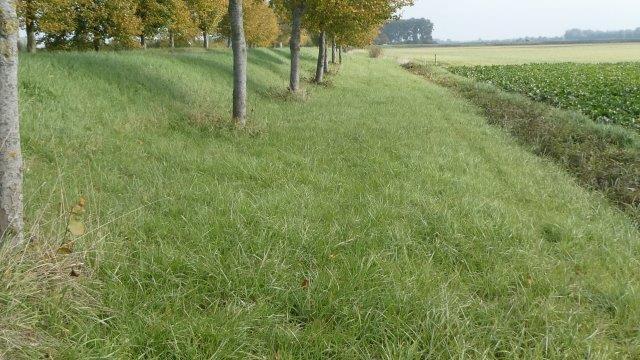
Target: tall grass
<point x="379" y="217"/>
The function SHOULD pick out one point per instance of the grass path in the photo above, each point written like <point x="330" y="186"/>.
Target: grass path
<point x="381" y="218"/>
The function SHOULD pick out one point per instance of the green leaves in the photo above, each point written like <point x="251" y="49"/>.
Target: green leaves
<point x="608" y="93"/>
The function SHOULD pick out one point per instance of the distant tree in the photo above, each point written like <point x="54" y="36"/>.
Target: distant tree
<point x="261" y="25"/>
<point x="409" y="31"/>
<point x="154" y="15"/>
<point x="11" y="211"/>
<point x="207" y="15"/>
<point x="180" y="22"/>
<point x="351" y="22"/>
<point x="29" y="12"/>
<point x="239" y="46"/>
<point x="294" y="11"/>
<point x="591" y="35"/>
<point x="81" y="24"/>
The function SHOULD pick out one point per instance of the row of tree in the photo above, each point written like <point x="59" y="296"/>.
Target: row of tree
<point x="84" y="24"/>
<point x="406" y="31"/>
<point x="594" y="35"/>
<point x="94" y="23"/>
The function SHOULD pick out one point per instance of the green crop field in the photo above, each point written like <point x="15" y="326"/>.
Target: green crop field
<point x="505" y="55"/>
<point x="607" y="93"/>
<point x="378" y="217"/>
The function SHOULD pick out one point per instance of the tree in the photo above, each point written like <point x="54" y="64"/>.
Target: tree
<point x="409" y="31"/>
<point x="260" y="23"/>
<point x="207" y="14"/>
<point x="153" y="15"/>
<point x="180" y="22"/>
<point x="294" y="10"/>
<point x="11" y="212"/>
<point x="350" y="21"/>
<point x="28" y="11"/>
<point x="82" y="24"/>
<point x="239" y="62"/>
<point x="261" y="28"/>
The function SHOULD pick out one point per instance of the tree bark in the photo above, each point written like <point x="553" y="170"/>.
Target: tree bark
<point x="206" y="39"/>
<point x="294" y="45"/>
<point x="11" y="211"/>
<point x="172" y="40"/>
<point x="143" y="41"/>
<point x="325" y="61"/>
<point x="239" y="45"/>
<point x="31" y="36"/>
<point x="333" y="51"/>
<point x="96" y="43"/>
<point x="320" y="65"/>
<point x="340" y="54"/>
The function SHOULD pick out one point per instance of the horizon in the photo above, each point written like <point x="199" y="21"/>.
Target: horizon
<point x="459" y="21"/>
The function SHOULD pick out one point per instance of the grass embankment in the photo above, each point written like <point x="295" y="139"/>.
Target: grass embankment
<point x="605" y="158"/>
<point x="380" y="218"/>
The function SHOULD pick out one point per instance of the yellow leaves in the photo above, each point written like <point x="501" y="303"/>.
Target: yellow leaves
<point x="260" y="23"/>
<point x="75" y="225"/>
<point x="65" y="249"/>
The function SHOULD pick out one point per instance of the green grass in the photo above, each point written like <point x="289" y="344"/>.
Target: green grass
<point x="513" y="55"/>
<point x="382" y="217"/>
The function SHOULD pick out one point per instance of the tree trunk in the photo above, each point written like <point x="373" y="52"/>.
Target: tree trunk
<point x="320" y="65"/>
<point x="206" y="39"/>
<point x="172" y="40"/>
<point x="340" y="54"/>
<point x="325" y="60"/>
<point x="31" y="36"/>
<point x="294" y="45"/>
<point x="11" y="221"/>
<point x="239" y="45"/>
<point x="96" y="43"/>
<point x="143" y="41"/>
<point x="333" y="51"/>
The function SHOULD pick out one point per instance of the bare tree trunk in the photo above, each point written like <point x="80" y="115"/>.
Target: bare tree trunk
<point x="96" y="43"/>
<point x="143" y="41"/>
<point x="31" y="36"/>
<point x="333" y="51"/>
<point x="325" y="62"/>
<point x="340" y="54"/>
<point x="11" y="221"/>
<point x="205" y="36"/>
<point x="320" y="65"/>
<point x="172" y="40"/>
<point x="294" y="45"/>
<point x="239" y="45"/>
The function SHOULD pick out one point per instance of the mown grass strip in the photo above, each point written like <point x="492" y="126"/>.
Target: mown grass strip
<point x="601" y="157"/>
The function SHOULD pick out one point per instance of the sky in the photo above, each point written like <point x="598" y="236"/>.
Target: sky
<point x="464" y="20"/>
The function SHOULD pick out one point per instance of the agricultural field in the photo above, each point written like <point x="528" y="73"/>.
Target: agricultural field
<point x="511" y="55"/>
<point x="607" y="93"/>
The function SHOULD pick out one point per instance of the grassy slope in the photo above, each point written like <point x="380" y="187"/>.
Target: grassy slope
<point x="422" y="230"/>
<point x="525" y="54"/>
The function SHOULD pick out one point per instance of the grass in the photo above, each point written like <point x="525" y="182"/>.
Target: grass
<point x="514" y="55"/>
<point x="379" y="217"/>
<point x="602" y="157"/>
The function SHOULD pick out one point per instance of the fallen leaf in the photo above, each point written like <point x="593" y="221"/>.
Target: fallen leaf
<point x="305" y="283"/>
<point x="74" y="273"/>
<point x="76" y="227"/>
<point x="66" y="250"/>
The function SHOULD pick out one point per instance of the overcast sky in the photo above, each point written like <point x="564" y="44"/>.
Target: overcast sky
<point x="504" y="19"/>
